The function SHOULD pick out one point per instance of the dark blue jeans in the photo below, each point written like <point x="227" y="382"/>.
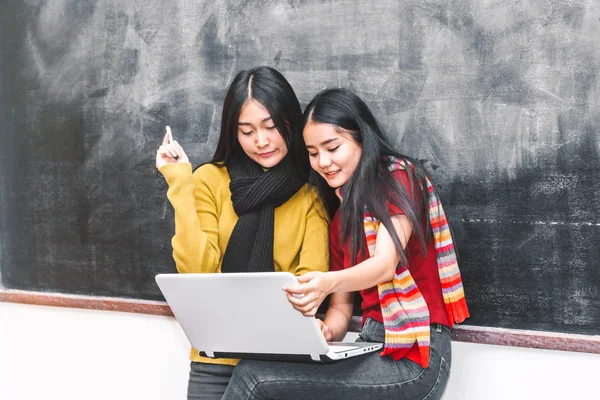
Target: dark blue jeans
<point x="208" y="381"/>
<point x="364" y="377"/>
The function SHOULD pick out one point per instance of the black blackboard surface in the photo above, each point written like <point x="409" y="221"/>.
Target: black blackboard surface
<point x="501" y="100"/>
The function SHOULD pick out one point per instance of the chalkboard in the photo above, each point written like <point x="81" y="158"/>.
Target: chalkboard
<point x="501" y="99"/>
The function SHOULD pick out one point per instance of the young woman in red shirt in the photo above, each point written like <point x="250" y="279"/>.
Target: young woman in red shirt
<point x="390" y="243"/>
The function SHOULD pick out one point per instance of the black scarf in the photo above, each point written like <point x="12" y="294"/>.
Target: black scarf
<point x="255" y="194"/>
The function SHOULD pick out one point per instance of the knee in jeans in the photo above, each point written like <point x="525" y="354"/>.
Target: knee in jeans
<point x="242" y="368"/>
<point x="245" y="372"/>
<point x="245" y="381"/>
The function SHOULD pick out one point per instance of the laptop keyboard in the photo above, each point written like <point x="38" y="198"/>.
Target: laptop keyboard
<point x="338" y="348"/>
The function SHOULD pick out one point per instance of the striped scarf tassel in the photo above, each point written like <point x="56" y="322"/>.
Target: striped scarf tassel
<point x="452" y="287"/>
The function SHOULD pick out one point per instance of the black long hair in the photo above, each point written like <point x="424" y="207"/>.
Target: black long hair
<point x="273" y="91"/>
<point x="372" y="184"/>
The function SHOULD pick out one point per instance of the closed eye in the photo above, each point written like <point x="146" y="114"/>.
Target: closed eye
<point x="334" y="148"/>
<point x="246" y="133"/>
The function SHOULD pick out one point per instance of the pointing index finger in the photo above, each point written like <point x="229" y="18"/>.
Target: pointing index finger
<point x="170" y="134"/>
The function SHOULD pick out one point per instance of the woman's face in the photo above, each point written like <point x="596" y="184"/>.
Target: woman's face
<point x="332" y="154"/>
<point x="258" y="136"/>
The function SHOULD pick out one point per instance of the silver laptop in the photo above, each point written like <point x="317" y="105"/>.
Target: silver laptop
<point x="248" y="315"/>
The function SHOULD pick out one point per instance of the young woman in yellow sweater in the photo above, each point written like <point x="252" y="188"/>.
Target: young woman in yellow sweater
<point x="250" y="208"/>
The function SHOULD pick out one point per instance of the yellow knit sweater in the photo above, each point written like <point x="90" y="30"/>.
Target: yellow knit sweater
<point x="205" y="218"/>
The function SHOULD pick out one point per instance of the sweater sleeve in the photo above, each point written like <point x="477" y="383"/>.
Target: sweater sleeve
<point x="196" y="240"/>
<point x="314" y="255"/>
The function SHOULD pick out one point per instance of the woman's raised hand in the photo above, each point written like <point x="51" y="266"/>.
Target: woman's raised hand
<point x="170" y="153"/>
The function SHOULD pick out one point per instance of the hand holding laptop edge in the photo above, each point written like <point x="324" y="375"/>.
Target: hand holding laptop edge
<point x="313" y="289"/>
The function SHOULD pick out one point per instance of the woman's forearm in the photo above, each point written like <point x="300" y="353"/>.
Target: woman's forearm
<point x="339" y="314"/>
<point x="362" y="276"/>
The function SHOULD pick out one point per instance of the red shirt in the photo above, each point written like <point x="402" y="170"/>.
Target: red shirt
<point x="423" y="269"/>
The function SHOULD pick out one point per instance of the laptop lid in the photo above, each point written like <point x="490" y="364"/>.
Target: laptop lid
<point x="240" y="313"/>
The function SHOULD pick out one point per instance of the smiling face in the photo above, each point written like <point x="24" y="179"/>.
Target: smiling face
<point x="258" y="136"/>
<point x="333" y="153"/>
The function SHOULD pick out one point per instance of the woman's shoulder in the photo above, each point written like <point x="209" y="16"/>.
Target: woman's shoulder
<point x="308" y="191"/>
<point x="401" y="176"/>
<point x="214" y="178"/>
<point x="410" y="183"/>
<point x="306" y="199"/>
<point x="307" y="194"/>
<point x="212" y="173"/>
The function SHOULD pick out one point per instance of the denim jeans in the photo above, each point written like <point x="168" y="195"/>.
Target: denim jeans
<point x="208" y="381"/>
<point x="364" y="377"/>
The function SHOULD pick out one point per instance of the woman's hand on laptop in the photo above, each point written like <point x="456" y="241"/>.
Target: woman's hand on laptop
<point x="325" y="330"/>
<point x="308" y="296"/>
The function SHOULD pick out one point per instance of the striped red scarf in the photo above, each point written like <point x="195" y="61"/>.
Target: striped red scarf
<point x="405" y="313"/>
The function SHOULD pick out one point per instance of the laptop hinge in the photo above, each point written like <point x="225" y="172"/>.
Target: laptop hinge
<point x="210" y="354"/>
<point x="315" y="357"/>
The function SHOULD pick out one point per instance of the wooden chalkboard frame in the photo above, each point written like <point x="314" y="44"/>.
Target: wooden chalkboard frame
<point x="461" y="333"/>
